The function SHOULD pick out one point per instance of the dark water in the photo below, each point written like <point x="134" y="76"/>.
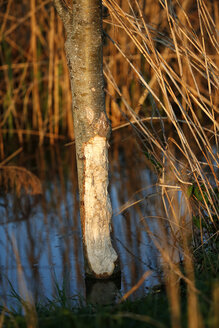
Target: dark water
<point x="40" y="235"/>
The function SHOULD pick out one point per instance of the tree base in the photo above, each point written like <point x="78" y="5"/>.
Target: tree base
<point x="105" y="291"/>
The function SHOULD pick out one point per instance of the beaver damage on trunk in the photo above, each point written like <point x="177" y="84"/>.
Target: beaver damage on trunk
<point x="97" y="208"/>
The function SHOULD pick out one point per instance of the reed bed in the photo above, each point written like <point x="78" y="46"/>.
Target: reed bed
<point x="35" y="88"/>
<point x="160" y="65"/>
<point x="178" y="48"/>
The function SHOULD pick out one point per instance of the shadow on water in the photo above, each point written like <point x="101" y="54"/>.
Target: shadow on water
<point x="40" y="234"/>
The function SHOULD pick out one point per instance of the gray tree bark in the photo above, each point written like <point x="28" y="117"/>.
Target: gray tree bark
<point x="83" y="46"/>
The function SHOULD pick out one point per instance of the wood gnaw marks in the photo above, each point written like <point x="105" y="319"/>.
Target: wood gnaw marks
<point x="97" y="208"/>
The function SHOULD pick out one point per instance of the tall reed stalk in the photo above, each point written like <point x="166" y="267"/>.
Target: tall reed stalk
<point x="37" y="116"/>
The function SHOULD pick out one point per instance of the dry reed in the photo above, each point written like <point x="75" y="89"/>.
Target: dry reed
<point x="179" y="53"/>
<point x="18" y="178"/>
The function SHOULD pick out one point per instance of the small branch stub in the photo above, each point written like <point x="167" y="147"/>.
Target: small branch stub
<point x="97" y="208"/>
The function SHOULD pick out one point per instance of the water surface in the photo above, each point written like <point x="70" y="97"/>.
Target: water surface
<point x="40" y="234"/>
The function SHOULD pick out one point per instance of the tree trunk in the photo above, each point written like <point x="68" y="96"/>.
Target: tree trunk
<point x="83" y="46"/>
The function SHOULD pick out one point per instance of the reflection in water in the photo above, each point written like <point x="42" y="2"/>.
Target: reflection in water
<point x="46" y="228"/>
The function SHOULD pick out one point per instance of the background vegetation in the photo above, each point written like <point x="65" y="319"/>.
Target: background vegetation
<point x="161" y="66"/>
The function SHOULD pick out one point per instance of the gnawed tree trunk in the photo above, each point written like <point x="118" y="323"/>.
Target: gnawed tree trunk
<point x="83" y="46"/>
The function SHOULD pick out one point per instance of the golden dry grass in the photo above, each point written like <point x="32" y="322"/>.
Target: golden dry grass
<point x="178" y="77"/>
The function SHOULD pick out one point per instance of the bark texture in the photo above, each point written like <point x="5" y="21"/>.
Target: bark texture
<point x="83" y="46"/>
